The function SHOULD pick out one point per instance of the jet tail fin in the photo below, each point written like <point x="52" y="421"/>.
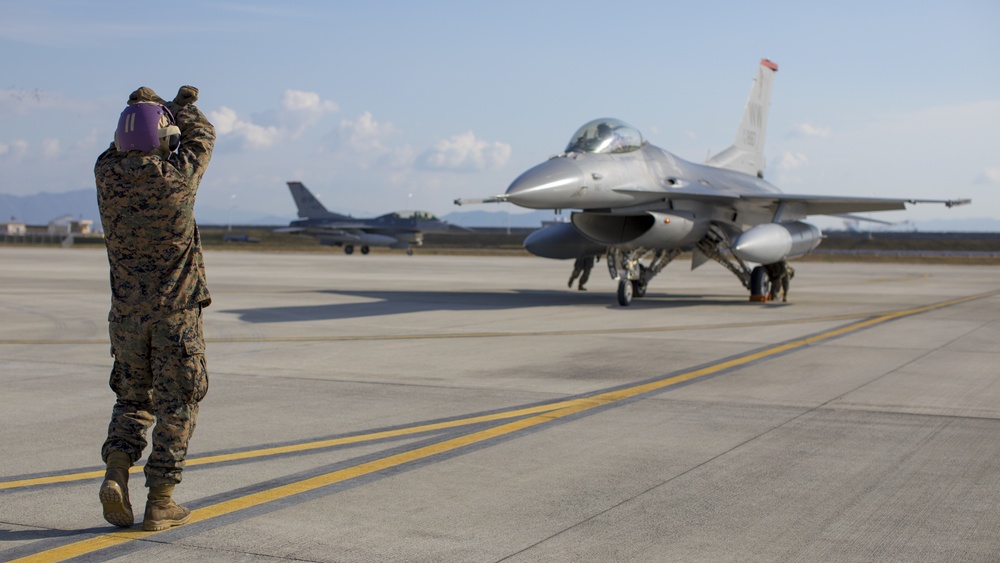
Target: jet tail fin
<point x="747" y="152"/>
<point x="309" y="207"/>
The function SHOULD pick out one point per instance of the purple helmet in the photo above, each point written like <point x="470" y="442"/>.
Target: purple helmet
<point x="144" y="125"/>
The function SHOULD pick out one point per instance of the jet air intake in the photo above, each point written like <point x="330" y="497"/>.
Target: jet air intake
<point x="654" y="230"/>
<point x="773" y="242"/>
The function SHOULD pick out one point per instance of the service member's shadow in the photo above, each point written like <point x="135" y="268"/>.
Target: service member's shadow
<point x="401" y="302"/>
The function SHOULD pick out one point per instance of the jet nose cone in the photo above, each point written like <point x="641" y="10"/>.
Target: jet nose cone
<point x="550" y="185"/>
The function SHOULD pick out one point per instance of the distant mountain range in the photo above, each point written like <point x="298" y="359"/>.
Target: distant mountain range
<point x="39" y="209"/>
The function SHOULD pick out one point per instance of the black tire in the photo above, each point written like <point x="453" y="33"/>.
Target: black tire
<point x="760" y="284"/>
<point x="639" y="288"/>
<point x="625" y="289"/>
<point x="348" y="249"/>
<point x="364" y="250"/>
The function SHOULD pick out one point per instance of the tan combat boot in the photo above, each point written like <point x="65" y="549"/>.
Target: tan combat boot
<point x="114" y="492"/>
<point x="162" y="512"/>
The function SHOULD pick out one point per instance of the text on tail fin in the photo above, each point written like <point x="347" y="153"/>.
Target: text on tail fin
<point x="308" y="206"/>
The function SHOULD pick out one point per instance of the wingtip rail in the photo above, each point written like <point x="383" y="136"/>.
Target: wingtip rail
<point x="947" y="202"/>
<point x="495" y="199"/>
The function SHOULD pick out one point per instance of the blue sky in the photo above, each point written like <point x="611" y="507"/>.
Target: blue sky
<point x="384" y="105"/>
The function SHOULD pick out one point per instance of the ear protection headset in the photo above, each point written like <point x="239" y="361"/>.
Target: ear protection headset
<point x="171" y="131"/>
<point x="145" y="126"/>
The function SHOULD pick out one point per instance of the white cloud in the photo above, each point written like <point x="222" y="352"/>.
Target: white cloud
<point x="367" y="137"/>
<point x="299" y="111"/>
<point x="228" y="122"/>
<point x="89" y="142"/>
<point x="258" y="137"/>
<point x="297" y="100"/>
<point x="225" y="120"/>
<point x="16" y="150"/>
<point x="791" y="161"/>
<point x="989" y="176"/>
<point x="808" y="130"/>
<point x="402" y="157"/>
<point x="467" y="153"/>
<point x="50" y="148"/>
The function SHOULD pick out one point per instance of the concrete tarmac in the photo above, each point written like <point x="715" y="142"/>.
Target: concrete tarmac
<point x="462" y="408"/>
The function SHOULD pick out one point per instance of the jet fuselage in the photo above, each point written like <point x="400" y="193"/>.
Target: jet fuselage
<point x="646" y="197"/>
<point x="594" y="181"/>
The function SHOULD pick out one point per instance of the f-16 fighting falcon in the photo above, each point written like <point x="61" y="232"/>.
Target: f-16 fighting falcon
<point x="400" y="229"/>
<point x="645" y="206"/>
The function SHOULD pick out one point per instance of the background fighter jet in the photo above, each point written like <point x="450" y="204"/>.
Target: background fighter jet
<point x="644" y="206"/>
<point x="400" y="229"/>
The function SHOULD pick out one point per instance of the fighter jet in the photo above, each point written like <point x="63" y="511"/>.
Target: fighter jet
<point x="644" y="206"/>
<point x="400" y="229"/>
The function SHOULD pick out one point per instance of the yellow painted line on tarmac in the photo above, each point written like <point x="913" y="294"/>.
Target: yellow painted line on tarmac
<point x="564" y="409"/>
<point x="68" y="478"/>
<point x="295" y="448"/>
<point x="77" y="549"/>
<point x="278" y="450"/>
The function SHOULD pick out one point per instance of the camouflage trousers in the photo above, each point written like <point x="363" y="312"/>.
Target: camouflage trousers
<point x="159" y="377"/>
<point x="582" y="273"/>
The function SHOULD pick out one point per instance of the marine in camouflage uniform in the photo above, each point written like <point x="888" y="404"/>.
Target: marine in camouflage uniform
<point x="158" y="289"/>
<point x="581" y="269"/>
<point x="780" y="275"/>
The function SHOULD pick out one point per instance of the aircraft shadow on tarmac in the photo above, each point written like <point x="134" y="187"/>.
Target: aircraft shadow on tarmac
<point x="402" y="302"/>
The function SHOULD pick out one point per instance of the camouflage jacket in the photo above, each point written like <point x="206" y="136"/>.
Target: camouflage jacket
<point x="147" y="211"/>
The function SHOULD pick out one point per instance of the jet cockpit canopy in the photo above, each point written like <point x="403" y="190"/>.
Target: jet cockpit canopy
<point x="408" y="216"/>
<point x="605" y="135"/>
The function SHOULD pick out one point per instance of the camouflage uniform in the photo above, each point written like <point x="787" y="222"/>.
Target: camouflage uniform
<point x="582" y="268"/>
<point x="779" y="274"/>
<point x="158" y="289"/>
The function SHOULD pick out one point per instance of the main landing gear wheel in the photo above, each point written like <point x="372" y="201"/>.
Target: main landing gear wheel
<point x="409" y="252"/>
<point x="760" y="284"/>
<point x="625" y="290"/>
<point x="639" y="288"/>
<point x="348" y="249"/>
<point x="364" y="250"/>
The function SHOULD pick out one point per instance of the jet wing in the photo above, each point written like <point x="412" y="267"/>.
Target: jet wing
<point x="830" y="205"/>
<point x="799" y="204"/>
<point x="388" y="229"/>
<point x="341" y="226"/>
<point x="349" y="229"/>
